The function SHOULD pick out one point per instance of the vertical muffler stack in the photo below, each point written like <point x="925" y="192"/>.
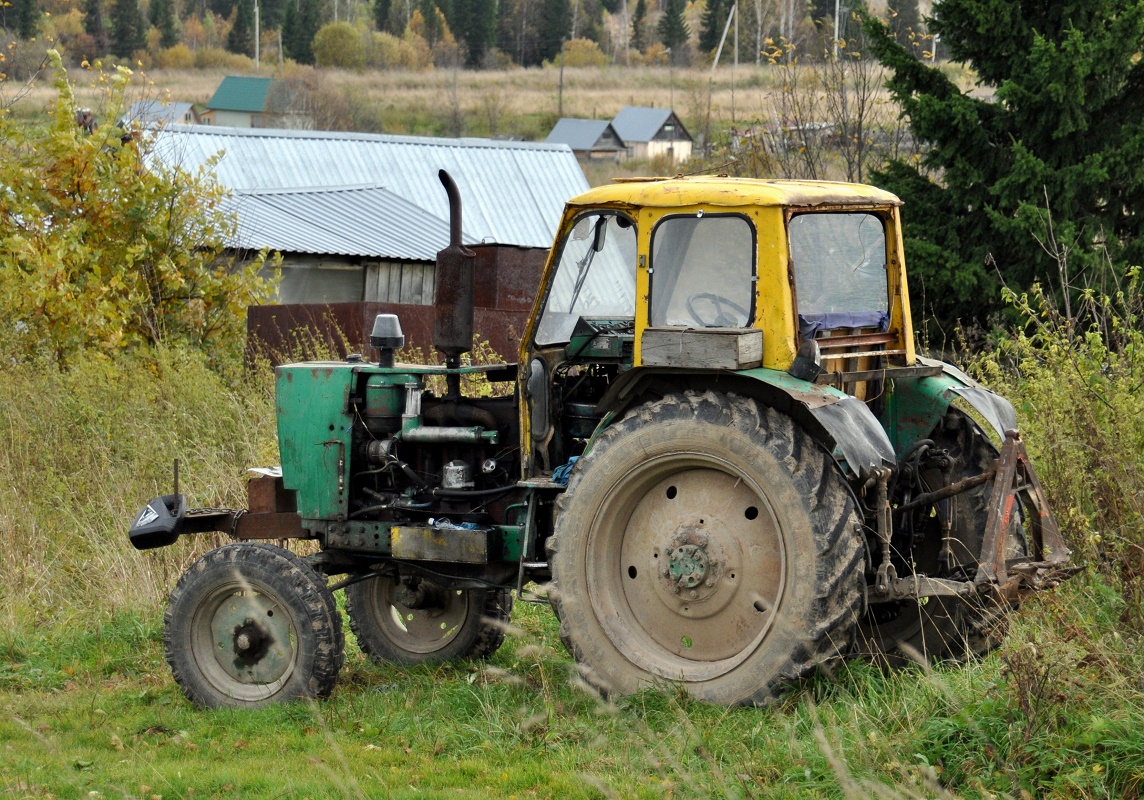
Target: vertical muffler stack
<point x="453" y="326"/>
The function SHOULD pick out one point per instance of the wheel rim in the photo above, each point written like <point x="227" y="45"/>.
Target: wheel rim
<point x="422" y="625"/>
<point x="686" y="566"/>
<point x="245" y="641"/>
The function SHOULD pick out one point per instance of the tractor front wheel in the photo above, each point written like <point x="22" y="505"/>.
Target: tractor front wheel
<point x="709" y="542"/>
<point x="413" y="620"/>
<point x="251" y="624"/>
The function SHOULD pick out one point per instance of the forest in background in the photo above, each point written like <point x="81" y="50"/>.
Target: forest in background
<point x="418" y="34"/>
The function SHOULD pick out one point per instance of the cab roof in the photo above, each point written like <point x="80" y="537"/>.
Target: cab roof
<point x="723" y="191"/>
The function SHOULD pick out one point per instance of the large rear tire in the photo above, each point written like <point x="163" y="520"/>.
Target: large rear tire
<point x="417" y="621"/>
<point x="250" y="624"/>
<point x="709" y="542"/>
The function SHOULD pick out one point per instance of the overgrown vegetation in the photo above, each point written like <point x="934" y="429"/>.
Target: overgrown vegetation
<point x="102" y="247"/>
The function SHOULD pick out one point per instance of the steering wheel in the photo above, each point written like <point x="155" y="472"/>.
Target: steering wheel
<point x="719" y="303"/>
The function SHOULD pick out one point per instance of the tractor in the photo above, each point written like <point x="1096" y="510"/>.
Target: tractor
<point x="720" y="460"/>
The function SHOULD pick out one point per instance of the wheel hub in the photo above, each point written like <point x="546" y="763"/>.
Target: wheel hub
<point x="251" y="642"/>
<point x="252" y="638"/>
<point x="694" y="564"/>
<point x="423" y="596"/>
<point x="700" y="569"/>
<point x="688" y="565"/>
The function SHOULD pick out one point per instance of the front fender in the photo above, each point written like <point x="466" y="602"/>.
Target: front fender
<point x="916" y="405"/>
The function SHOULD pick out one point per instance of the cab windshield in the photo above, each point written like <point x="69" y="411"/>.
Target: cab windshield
<point x="595" y="276"/>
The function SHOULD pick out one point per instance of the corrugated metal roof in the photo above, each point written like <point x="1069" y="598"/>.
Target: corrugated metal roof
<point x="366" y="221"/>
<point x="156" y="112"/>
<point x="238" y="93"/>
<point x="640" y="123"/>
<point x="511" y="192"/>
<point x="579" y="134"/>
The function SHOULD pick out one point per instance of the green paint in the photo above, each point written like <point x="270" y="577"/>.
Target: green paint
<point x="314" y="435"/>
<point x="913" y="407"/>
<point x="781" y="379"/>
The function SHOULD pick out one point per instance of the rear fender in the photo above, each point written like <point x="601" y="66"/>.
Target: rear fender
<point x="839" y="422"/>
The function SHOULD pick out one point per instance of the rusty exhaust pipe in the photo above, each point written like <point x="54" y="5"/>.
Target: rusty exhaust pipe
<point x="453" y="285"/>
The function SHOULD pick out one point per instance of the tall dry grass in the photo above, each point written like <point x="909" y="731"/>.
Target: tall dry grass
<point x="82" y="450"/>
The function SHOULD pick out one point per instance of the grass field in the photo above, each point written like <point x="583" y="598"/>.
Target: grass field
<point x="86" y="711"/>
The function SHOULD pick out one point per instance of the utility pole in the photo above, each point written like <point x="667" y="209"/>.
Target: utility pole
<point x="837" y="10"/>
<point x="627" y="37"/>
<point x="560" y="93"/>
<point x="257" y="37"/>
<point x="735" y="63"/>
<point x="711" y="80"/>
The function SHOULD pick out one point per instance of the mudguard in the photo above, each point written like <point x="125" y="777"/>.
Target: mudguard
<point x="916" y="405"/>
<point x="841" y="423"/>
<point x="857" y="437"/>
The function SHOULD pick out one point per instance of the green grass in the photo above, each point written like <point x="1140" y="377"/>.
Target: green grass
<point x="95" y="710"/>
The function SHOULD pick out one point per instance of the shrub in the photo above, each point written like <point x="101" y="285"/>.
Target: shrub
<point x="339" y="44"/>
<point x="583" y="53"/>
<point x="177" y="57"/>
<point x="102" y="247"/>
<point x="410" y="51"/>
<point x="1077" y="382"/>
<point x="217" y="58"/>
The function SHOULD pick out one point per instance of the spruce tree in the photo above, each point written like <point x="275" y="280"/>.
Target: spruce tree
<point x="714" y="18"/>
<point x="163" y="18"/>
<point x="381" y="14"/>
<point x="301" y="23"/>
<point x="241" y="37"/>
<point x="555" y="25"/>
<point x="128" y="29"/>
<point x="639" y="26"/>
<point x="672" y="28"/>
<point x="289" y="30"/>
<point x="95" y="26"/>
<point x="474" y="23"/>
<point x="1062" y="130"/>
<point x="434" y="30"/>
<point x="22" y="17"/>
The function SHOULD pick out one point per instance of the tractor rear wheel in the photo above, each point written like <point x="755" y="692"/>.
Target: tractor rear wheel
<point x="709" y="542"/>
<point x="250" y="624"/>
<point x="948" y="628"/>
<point x="411" y="621"/>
